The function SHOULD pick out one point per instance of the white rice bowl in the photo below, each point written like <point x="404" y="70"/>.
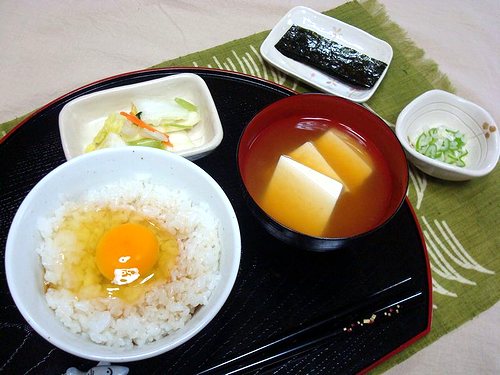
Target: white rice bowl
<point x="166" y="307"/>
<point x="163" y="186"/>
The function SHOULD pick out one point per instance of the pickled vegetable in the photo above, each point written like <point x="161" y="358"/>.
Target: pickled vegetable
<point x="150" y="122"/>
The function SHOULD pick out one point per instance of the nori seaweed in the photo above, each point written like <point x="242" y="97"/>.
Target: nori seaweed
<point x="334" y="59"/>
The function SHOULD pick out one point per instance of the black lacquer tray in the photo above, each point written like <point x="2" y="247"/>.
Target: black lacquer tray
<point x="278" y="289"/>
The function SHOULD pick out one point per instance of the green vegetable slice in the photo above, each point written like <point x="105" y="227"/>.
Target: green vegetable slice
<point x="147" y="142"/>
<point x="113" y="124"/>
<point x="186" y="105"/>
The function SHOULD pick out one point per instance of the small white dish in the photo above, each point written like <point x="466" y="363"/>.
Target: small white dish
<point x="440" y="108"/>
<point x="23" y="266"/>
<point x="333" y="29"/>
<point x="81" y="118"/>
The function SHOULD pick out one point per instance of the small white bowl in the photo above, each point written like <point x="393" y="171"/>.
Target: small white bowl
<point x="24" y="269"/>
<point x="335" y="30"/>
<point x="440" y="108"/>
<point x="81" y="118"/>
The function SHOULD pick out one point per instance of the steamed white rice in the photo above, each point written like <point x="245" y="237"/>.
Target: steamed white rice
<point x="165" y="308"/>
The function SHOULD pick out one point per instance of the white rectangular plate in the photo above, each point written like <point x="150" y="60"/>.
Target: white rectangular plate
<point x="332" y="29"/>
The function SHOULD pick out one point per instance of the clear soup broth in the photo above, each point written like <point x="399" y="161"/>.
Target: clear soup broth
<point x="358" y="164"/>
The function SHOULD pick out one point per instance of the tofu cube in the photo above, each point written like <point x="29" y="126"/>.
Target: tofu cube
<point x="300" y="197"/>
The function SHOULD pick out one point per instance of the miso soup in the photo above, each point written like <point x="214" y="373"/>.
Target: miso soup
<point x="318" y="177"/>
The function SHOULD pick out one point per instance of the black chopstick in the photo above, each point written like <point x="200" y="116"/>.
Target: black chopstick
<point x="385" y="300"/>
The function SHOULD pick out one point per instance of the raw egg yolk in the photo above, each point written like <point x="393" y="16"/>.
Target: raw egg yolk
<point x="126" y="252"/>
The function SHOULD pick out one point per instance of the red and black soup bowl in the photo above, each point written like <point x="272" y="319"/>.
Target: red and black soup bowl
<point x="286" y="140"/>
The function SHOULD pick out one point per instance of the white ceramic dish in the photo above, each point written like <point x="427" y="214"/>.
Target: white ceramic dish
<point x="335" y="30"/>
<point x="22" y="263"/>
<point x="439" y="108"/>
<point x="81" y="118"/>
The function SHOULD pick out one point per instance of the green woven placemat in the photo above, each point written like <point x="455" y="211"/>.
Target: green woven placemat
<point x="457" y="218"/>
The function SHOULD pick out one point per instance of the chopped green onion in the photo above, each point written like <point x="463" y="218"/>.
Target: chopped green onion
<point x="443" y="144"/>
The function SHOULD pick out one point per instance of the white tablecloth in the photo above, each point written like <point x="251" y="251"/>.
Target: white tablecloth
<point x="51" y="47"/>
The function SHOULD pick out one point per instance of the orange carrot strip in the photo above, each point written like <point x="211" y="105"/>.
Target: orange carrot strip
<point x="137" y="121"/>
<point x="167" y="143"/>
